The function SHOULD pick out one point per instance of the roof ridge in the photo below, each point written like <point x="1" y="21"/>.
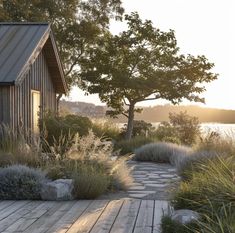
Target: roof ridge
<point x="24" y="23"/>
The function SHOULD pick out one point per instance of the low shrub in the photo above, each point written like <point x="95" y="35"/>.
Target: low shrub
<point x="162" y="152"/>
<point x="20" y="182"/>
<point x="89" y="160"/>
<point x="129" y="146"/>
<point x="59" y="171"/>
<point x="90" y="182"/>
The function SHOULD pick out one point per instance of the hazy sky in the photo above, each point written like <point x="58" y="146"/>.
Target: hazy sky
<point x="202" y="27"/>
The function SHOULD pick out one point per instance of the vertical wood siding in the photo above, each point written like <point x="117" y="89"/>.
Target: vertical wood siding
<point x="37" y="78"/>
<point x="5" y="104"/>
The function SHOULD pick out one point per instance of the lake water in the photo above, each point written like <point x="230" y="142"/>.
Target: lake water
<point x="223" y="129"/>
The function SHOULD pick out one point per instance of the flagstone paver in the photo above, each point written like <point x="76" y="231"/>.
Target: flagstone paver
<point x="160" y="179"/>
<point x="155" y="181"/>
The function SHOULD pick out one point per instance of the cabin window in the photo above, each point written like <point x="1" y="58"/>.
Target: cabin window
<point x="35" y="95"/>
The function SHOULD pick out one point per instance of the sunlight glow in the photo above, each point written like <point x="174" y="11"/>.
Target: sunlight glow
<point x="202" y="27"/>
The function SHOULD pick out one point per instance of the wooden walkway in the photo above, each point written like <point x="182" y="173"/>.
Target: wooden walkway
<point x="93" y="216"/>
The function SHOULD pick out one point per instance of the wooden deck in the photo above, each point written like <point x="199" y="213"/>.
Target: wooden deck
<point x="94" y="216"/>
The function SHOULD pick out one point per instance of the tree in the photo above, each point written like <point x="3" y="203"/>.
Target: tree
<point x="140" y="64"/>
<point x="76" y="24"/>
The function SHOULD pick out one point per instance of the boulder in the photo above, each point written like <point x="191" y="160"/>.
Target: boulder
<point x="184" y="216"/>
<point x="57" y="190"/>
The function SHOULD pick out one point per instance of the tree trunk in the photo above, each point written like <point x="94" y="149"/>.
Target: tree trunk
<point x="58" y="104"/>
<point x="130" y="123"/>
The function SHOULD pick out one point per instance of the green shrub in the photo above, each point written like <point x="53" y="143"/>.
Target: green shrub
<point x="140" y="128"/>
<point x="165" y="131"/>
<point x="106" y="129"/>
<point x="162" y="152"/>
<point x="181" y="128"/>
<point x="55" y="127"/>
<point x="129" y="146"/>
<point x="90" y="182"/>
<point x="20" y="182"/>
<point x="171" y="226"/>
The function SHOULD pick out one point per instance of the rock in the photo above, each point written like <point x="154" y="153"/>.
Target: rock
<point x="57" y="190"/>
<point x="185" y="216"/>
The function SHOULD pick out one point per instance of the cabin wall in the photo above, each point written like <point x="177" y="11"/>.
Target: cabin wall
<point x="37" y="78"/>
<point x="5" y="104"/>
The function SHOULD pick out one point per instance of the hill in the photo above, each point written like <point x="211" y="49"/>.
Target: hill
<point x="152" y="114"/>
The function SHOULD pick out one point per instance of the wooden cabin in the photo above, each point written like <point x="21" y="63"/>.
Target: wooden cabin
<point x="31" y="74"/>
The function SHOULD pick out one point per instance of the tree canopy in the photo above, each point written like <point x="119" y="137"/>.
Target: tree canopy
<point x="143" y="63"/>
<point x="76" y="24"/>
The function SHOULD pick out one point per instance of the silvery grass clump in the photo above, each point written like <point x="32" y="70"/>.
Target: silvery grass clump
<point x="162" y="152"/>
<point x="90" y="147"/>
<point x="19" y="182"/>
<point x="121" y="174"/>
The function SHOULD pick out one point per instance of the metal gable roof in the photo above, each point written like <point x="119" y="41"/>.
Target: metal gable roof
<point x="20" y="44"/>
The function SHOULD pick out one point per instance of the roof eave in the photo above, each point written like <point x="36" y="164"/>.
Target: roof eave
<point x="61" y="70"/>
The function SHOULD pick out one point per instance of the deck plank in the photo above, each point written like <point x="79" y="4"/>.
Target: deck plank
<point x="15" y="216"/>
<point x="126" y="218"/>
<point x="108" y="217"/>
<point x="27" y="220"/>
<point x="48" y="219"/>
<point x="11" y="209"/>
<point x="83" y="216"/>
<point x="144" y="221"/>
<point x="5" y="204"/>
<point x="88" y="219"/>
<point x="160" y="208"/>
<point x="63" y="224"/>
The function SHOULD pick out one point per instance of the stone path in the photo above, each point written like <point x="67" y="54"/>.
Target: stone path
<point x="152" y="181"/>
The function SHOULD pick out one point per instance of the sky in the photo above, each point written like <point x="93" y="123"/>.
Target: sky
<point x="202" y="27"/>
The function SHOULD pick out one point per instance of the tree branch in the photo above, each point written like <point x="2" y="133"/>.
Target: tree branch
<point x="125" y="102"/>
<point x="124" y="114"/>
<point x="76" y="60"/>
<point x="71" y="67"/>
<point x="154" y="98"/>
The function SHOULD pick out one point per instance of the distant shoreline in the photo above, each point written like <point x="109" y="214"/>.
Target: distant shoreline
<point x="157" y="113"/>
